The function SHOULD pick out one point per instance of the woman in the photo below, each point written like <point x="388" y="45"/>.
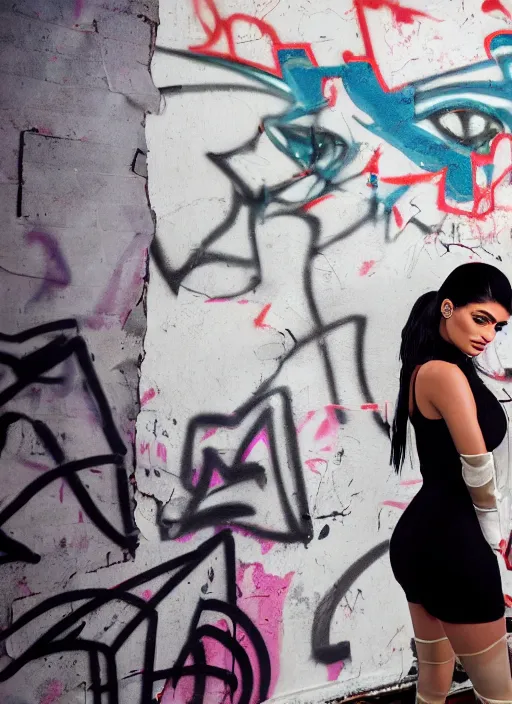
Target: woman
<point x="444" y="548"/>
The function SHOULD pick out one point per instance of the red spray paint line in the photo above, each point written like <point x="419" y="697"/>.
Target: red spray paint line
<point x="398" y="217"/>
<point x="147" y="396"/>
<point x="411" y="482"/>
<point x="316" y="201"/>
<point x="217" y="300"/>
<point x="366" y="267"/>
<point x="495" y="6"/>
<point x="372" y="167"/>
<point x="259" y="320"/>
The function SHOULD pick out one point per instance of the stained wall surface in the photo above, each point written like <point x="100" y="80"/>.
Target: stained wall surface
<point x="76" y="225"/>
<point x="314" y="168"/>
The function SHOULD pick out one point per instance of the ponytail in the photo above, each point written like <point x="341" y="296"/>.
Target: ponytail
<point x="417" y="347"/>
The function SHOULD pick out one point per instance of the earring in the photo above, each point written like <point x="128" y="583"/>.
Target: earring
<point x="447" y="311"/>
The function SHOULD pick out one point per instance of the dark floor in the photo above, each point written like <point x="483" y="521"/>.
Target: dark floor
<point x="408" y="696"/>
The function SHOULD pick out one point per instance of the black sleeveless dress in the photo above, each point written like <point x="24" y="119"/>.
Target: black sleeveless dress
<point x="438" y="553"/>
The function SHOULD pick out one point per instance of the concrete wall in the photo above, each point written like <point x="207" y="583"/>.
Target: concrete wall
<point x="314" y="168"/>
<point x="303" y="199"/>
<point x="76" y="225"/>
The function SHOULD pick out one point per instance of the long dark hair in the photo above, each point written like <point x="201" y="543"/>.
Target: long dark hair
<point x="469" y="283"/>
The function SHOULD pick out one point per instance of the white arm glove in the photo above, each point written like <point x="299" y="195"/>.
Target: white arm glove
<point x="479" y="476"/>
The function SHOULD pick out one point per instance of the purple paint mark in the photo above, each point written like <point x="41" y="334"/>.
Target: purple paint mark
<point x="147" y="396"/>
<point x="208" y="434"/>
<point x="305" y="421"/>
<point x="119" y="296"/>
<point x="262" y="597"/>
<point x="262" y="436"/>
<point x="61" y="491"/>
<point x="147" y="594"/>
<point x="311" y="464"/>
<point x="216" y="479"/>
<point x="402" y="505"/>
<point x="411" y="482"/>
<point x="80" y="517"/>
<point x="243" y="302"/>
<point x="333" y="671"/>
<point x="161" y="452"/>
<point x="195" y="477"/>
<point x="96" y="471"/>
<point x="54" y="690"/>
<point x="25" y="590"/>
<point x="184" y="538"/>
<point x="144" y="447"/>
<point x="79" y="4"/>
<point x="35" y="465"/>
<point x="57" y="274"/>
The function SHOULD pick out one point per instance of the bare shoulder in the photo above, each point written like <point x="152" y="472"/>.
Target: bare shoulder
<point x="438" y="377"/>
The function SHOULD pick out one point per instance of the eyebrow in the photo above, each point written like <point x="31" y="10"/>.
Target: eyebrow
<point x="491" y="317"/>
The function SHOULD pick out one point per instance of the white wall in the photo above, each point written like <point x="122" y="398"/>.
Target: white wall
<point x="254" y="302"/>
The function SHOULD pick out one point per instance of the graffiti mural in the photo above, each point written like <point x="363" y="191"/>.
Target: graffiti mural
<point x="315" y="170"/>
<point x="239" y="660"/>
<point x="53" y="355"/>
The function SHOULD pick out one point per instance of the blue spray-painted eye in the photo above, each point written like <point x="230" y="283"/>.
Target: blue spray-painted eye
<point x="322" y="151"/>
<point x="469" y="128"/>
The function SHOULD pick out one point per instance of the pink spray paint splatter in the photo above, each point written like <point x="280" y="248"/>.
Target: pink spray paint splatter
<point x="262" y="597"/>
<point x="147" y="396"/>
<point x="402" y="505"/>
<point x="161" y="451"/>
<point x="311" y="464"/>
<point x="265" y="545"/>
<point x="54" y="690"/>
<point x="366" y="267"/>
<point x="215" y="480"/>
<point x="302" y="424"/>
<point x="262" y="436"/>
<point x="333" y="671"/>
<point x="329" y="426"/>
<point x="411" y="482"/>
<point x="80" y="517"/>
<point x="144" y="447"/>
<point x="217" y="300"/>
<point x="147" y="594"/>
<point x="208" y="434"/>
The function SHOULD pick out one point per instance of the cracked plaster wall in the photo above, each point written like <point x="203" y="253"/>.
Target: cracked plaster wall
<point x="75" y="87"/>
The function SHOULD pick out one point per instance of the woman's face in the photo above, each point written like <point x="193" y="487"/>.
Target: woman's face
<point x="472" y="327"/>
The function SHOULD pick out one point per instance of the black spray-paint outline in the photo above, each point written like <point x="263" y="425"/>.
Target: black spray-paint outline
<point x="56" y="640"/>
<point x="323" y="650"/>
<point x="31" y="369"/>
<point x="299" y="525"/>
